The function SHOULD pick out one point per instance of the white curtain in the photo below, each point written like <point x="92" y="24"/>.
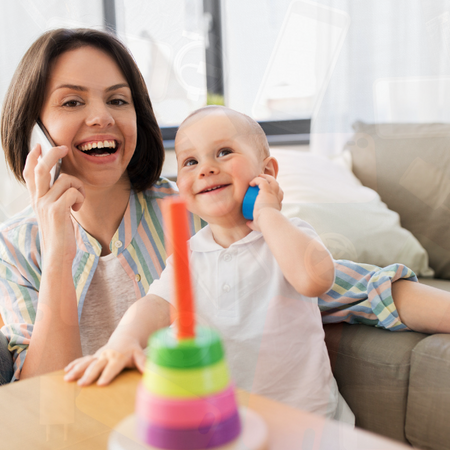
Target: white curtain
<point x="393" y="66"/>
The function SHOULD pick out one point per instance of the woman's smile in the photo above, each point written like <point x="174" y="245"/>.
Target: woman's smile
<point x="99" y="148"/>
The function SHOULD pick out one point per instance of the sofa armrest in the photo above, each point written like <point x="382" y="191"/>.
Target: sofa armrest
<point x="372" y="368"/>
<point x="6" y="361"/>
<point x="428" y="410"/>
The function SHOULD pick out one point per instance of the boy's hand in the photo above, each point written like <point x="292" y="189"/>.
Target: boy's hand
<point x="105" y="364"/>
<point x="270" y="196"/>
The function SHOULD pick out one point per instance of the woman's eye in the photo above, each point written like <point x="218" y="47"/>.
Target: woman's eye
<point x="224" y="152"/>
<point x="118" y="102"/>
<point x="190" y="162"/>
<point x="72" y="103"/>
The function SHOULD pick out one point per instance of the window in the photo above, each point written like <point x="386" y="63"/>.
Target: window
<point x="279" y="55"/>
<point x="167" y="41"/>
<point x="22" y="22"/>
<point x="261" y="56"/>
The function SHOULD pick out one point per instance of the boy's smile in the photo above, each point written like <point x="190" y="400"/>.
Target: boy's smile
<point x="214" y="189"/>
<point x="217" y="158"/>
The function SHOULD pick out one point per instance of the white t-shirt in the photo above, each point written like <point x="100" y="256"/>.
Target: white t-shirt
<point x="110" y="294"/>
<point x="273" y="336"/>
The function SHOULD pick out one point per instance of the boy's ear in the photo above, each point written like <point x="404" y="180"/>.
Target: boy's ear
<point x="271" y="166"/>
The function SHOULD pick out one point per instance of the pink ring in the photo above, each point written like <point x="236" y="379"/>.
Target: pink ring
<point x="185" y="413"/>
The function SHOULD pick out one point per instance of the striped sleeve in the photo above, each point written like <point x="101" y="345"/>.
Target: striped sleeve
<point x="362" y="293"/>
<point x="19" y="285"/>
<point x="165" y="188"/>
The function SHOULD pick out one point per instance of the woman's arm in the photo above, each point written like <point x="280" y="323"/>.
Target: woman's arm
<point x="56" y="337"/>
<point x="422" y="308"/>
<point x="126" y="344"/>
<point x="55" y="340"/>
<point x="303" y="259"/>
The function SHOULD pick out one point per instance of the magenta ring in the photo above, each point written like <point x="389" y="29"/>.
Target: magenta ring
<point x="190" y="439"/>
<point x="185" y="413"/>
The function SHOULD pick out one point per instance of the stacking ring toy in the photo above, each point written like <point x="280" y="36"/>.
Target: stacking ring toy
<point x="186" y="400"/>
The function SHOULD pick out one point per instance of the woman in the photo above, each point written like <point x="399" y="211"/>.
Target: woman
<point x="91" y="244"/>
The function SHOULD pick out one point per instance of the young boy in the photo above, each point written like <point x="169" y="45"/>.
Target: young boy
<point x="249" y="281"/>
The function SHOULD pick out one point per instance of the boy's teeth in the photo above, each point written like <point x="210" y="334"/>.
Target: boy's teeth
<point x="213" y="189"/>
<point x="98" y="144"/>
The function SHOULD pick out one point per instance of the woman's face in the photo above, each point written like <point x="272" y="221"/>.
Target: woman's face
<point x="89" y="108"/>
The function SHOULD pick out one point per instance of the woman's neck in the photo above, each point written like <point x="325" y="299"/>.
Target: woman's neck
<point x="102" y="212"/>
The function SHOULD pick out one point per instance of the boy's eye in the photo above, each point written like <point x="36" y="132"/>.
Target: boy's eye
<point x="224" y="152"/>
<point x="190" y="162"/>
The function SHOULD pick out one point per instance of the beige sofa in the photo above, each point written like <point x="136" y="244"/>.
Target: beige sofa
<point x="398" y="384"/>
<point x="386" y="199"/>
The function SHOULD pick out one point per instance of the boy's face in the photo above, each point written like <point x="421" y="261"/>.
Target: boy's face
<point x="217" y="158"/>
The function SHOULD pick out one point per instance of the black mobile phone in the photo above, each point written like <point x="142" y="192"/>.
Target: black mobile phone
<point x="39" y="135"/>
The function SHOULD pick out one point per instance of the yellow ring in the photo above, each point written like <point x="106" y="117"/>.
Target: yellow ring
<point x="186" y="383"/>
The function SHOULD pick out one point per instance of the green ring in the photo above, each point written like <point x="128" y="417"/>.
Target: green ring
<point x="186" y="383"/>
<point x="205" y="349"/>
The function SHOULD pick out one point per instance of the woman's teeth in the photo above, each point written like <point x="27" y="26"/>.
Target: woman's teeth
<point x="99" y="144"/>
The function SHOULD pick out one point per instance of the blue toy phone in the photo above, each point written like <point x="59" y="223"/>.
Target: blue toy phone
<point x="39" y="135"/>
<point x="249" y="202"/>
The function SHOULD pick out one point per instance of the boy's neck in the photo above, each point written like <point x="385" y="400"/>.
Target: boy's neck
<point x="227" y="235"/>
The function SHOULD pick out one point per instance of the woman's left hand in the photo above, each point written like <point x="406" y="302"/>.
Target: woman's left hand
<point x="105" y="364"/>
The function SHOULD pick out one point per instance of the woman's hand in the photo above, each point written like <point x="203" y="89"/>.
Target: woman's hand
<point x="270" y="196"/>
<point x="106" y="363"/>
<point x="52" y="205"/>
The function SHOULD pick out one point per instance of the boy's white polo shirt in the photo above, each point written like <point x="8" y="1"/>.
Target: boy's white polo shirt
<point x="273" y="336"/>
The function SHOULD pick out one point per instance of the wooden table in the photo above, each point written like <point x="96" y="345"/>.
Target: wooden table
<point x="47" y="413"/>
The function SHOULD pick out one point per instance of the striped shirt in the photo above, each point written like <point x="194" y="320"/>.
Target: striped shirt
<point x="361" y="293"/>
<point x="138" y="244"/>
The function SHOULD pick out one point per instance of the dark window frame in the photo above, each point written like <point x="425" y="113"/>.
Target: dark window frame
<point x="109" y="16"/>
<point x="278" y="132"/>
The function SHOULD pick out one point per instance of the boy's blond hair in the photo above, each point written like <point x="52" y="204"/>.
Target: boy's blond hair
<point x="253" y="129"/>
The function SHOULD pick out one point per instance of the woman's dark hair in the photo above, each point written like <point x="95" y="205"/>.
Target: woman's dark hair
<point x="25" y="98"/>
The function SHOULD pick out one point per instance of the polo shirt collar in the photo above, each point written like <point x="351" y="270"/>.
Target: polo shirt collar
<point x="204" y="241"/>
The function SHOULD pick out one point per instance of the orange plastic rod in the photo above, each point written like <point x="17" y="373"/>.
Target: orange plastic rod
<point x="177" y="235"/>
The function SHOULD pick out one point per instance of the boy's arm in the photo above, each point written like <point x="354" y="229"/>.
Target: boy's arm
<point x="303" y="259"/>
<point x="144" y="317"/>
<point x="125" y="347"/>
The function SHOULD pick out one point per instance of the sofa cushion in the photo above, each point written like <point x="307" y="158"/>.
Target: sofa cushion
<point x="409" y="166"/>
<point x="428" y="409"/>
<point x="371" y="367"/>
<point x="6" y="361"/>
<point x="344" y="213"/>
